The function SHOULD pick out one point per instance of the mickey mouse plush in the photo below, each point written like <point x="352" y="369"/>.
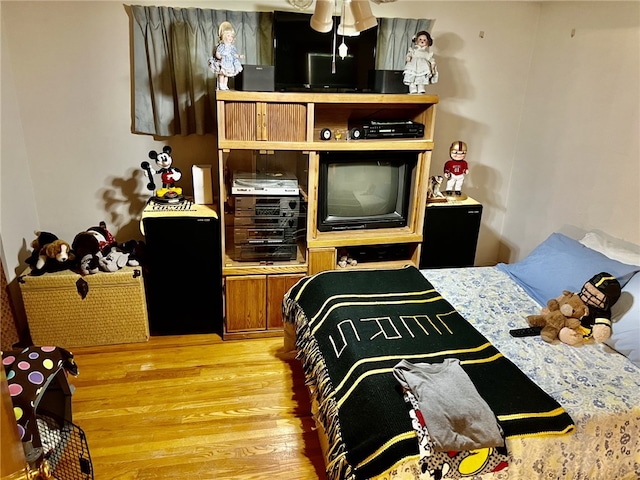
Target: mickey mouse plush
<point x="91" y="245"/>
<point x="169" y="175"/>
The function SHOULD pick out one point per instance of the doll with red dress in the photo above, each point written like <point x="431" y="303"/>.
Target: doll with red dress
<point x="456" y="168"/>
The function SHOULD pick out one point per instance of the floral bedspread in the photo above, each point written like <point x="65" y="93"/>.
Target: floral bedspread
<point x="597" y="386"/>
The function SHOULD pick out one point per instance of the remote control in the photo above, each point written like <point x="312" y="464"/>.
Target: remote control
<point x="525" y="332"/>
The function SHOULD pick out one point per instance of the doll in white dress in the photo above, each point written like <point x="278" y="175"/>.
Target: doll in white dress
<point x="420" y="68"/>
<point x="225" y="62"/>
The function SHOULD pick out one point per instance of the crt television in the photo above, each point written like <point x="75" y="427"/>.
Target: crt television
<point x="365" y="189"/>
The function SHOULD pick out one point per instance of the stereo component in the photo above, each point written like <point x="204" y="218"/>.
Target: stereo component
<point x="457" y="247"/>
<point x="272" y="183"/>
<point x="258" y="236"/>
<point x="325" y="134"/>
<point x="177" y="269"/>
<point x="376" y="129"/>
<point x="258" y="206"/>
<point x="264" y="252"/>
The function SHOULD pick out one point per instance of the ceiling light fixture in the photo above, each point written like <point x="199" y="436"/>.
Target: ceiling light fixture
<point x="361" y="11"/>
<point x="356" y="17"/>
<point x="347" y="26"/>
<point x="322" y="18"/>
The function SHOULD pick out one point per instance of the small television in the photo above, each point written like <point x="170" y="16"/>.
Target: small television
<point x="365" y="189"/>
<point x="296" y="44"/>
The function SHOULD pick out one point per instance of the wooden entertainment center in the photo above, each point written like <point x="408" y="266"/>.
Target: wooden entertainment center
<point x="283" y="131"/>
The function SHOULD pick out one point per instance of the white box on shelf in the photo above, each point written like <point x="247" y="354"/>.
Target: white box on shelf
<point x="202" y="184"/>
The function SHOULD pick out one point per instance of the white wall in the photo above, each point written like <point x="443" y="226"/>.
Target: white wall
<point x="73" y="161"/>
<point x="577" y="159"/>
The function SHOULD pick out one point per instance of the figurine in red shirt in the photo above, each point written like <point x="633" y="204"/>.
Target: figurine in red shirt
<point x="456" y="168"/>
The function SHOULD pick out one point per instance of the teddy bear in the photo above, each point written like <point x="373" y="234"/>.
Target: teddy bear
<point x="587" y="314"/>
<point x="50" y="254"/>
<point x="561" y="318"/>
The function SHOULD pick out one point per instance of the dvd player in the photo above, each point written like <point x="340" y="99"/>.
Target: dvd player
<point x="375" y="129"/>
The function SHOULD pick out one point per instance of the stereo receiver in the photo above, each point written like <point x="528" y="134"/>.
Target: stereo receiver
<point x="259" y="206"/>
<point x="380" y="129"/>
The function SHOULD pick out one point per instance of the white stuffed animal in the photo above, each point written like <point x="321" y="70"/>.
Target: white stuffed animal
<point x="115" y="260"/>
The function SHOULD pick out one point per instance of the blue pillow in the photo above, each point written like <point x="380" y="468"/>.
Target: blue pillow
<point x="561" y="263"/>
<point x="625" y="314"/>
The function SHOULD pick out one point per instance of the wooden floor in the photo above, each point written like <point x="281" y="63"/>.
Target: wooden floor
<point x="195" y="407"/>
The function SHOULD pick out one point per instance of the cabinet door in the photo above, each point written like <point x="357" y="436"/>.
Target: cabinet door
<point x="246" y="300"/>
<point x="241" y="121"/>
<point x="284" y="122"/>
<point x="277" y="286"/>
<point x="259" y="121"/>
<point x="321" y="259"/>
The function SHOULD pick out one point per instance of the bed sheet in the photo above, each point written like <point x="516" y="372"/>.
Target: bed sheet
<point x="597" y="386"/>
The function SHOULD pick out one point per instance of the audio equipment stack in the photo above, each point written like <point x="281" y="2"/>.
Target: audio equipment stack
<point x="265" y="217"/>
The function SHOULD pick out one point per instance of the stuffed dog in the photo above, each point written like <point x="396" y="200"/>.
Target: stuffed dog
<point x="50" y="254"/>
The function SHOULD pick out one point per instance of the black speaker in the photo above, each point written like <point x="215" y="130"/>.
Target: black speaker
<point x="387" y="81"/>
<point x="255" y="78"/>
<point x="450" y="235"/>
<point x="184" y="274"/>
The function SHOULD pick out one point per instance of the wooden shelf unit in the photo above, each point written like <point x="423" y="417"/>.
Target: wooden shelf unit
<point x="267" y="122"/>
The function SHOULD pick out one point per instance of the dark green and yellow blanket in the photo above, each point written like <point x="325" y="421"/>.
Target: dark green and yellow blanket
<point x="353" y="327"/>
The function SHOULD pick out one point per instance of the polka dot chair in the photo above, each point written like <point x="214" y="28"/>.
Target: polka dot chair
<point x="37" y="378"/>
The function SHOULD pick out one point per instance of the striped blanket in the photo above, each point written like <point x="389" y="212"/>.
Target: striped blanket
<point x="353" y="327"/>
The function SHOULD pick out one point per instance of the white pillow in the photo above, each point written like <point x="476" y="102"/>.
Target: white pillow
<point x="614" y="249"/>
<point x="625" y="315"/>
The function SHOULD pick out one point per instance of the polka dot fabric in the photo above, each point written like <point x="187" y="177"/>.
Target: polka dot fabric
<point x="28" y="373"/>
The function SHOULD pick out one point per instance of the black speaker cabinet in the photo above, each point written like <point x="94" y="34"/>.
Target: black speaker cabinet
<point x="184" y="274"/>
<point x="255" y="78"/>
<point x="387" y="81"/>
<point x="450" y="234"/>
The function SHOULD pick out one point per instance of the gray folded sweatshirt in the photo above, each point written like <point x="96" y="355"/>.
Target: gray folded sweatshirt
<point x="456" y="416"/>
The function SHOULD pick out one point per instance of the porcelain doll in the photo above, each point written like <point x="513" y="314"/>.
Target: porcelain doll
<point x="225" y="62"/>
<point x="456" y="168"/>
<point x="420" y="67"/>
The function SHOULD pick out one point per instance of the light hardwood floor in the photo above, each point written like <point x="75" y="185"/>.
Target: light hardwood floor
<point x="195" y="407"/>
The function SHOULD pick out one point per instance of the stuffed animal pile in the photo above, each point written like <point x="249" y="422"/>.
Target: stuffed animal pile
<point x="574" y="318"/>
<point x="92" y="250"/>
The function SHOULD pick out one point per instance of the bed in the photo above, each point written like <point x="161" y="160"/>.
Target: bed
<point x="565" y="412"/>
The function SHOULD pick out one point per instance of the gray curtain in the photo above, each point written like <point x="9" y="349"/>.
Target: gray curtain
<point x="174" y="90"/>
<point x="394" y="40"/>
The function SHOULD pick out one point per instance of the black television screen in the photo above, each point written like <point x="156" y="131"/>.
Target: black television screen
<point x="294" y="41"/>
<point x="364" y="190"/>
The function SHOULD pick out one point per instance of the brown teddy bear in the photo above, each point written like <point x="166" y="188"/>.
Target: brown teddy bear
<point x="561" y="319"/>
<point x="578" y="317"/>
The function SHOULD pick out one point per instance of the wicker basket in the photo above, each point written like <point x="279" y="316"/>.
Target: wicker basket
<point x="71" y="310"/>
